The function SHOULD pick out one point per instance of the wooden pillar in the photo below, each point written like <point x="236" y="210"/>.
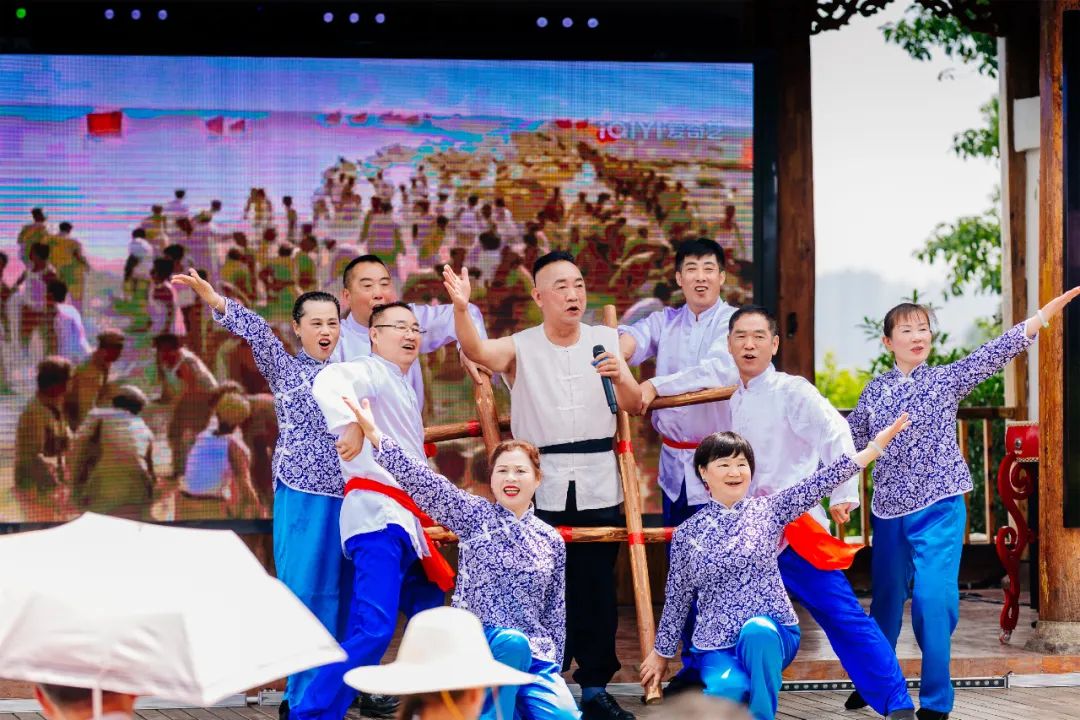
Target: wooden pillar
<point x="795" y="191"/>
<point x="1018" y="63"/>
<point x="1058" y="630"/>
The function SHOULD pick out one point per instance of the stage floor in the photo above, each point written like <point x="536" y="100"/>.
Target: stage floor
<point x="976" y="649"/>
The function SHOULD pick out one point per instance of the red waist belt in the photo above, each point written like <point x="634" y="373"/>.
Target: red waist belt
<point x="675" y="444"/>
<point x="814" y="544"/>
<point x="435" y="566"/>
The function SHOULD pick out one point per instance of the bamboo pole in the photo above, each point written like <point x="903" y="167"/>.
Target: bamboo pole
<point x="639" y="569"/>
<point x="693" y="398"/>
<point x="576" y="534"/>
<point x="487" y="415"/>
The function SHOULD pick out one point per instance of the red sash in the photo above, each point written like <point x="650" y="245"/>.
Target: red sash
<point x="677" y="445"/>
<point x="435" y="566"/>
<point x="814" y="544"/>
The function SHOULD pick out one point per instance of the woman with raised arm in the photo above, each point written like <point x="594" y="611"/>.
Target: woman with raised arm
<point x="511" y="569"/>
<point x="918" y="505"/>
<point x="725" y="557"/>
<point x="307" y="480"/>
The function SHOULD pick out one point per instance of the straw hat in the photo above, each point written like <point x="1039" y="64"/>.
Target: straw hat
<point x="232" y="409"/>
<point x="443" y="649"/>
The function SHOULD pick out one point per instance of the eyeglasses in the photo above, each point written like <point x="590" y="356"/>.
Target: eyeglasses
<point x="404" y="329"/>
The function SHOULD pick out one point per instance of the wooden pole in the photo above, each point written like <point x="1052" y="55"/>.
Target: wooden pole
<point x="576" y="534"/>
<point x="639" y="569"/>
<point x="487" y="414"/>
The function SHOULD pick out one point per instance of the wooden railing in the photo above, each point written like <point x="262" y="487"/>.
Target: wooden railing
<point x="986" y="426"/>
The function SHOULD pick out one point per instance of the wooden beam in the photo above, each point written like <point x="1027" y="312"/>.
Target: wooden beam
<point x="1059" y="573"/>
<point x="795" y="194"/>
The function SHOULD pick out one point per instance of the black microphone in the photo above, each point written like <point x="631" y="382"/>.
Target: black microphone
<point x="609" y="389"/>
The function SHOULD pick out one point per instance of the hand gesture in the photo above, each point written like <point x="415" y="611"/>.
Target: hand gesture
<point x="350" y="443"/>
<point x="653" y="669"/>
<point x="365" y="418"/>
<point x="478" y="373"/>
<point x="648" y="394"/>
<point x="841" y="512"/>
<point x="1055" y="306"/>
<point x="458" y="287"/>
<point x="873" y="451"/>
<point x="607" y="366"/>
<point x="202" y="288"/>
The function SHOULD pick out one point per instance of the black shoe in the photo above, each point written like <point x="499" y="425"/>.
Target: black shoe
<point x="604" y="707"/>
<point x="855" y="701"/>
<point x="283" y="710"/>
<point x="378" y="706"/>
<point x="683" y="683"/>
<point x="928" y="714"/>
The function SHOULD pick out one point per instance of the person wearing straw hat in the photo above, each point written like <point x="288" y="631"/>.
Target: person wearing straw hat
<point x="396" y="567"/>
<point x="512" y="566"/>
<point x="61" y="702"/>
<point x="725" y="558"/>
<point x="443" y="669"/>
<point x="559" y="404"/>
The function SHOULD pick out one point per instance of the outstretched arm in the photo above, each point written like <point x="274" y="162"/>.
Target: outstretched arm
<point x="496" y="355"/>
<point x="678" y="597"/>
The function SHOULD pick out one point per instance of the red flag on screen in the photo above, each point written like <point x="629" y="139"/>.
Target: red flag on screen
<point x="238" y="126"/>
<point x="216" y="125"/>
<point x="109" y="123"/>
<point x="333" y="118"/>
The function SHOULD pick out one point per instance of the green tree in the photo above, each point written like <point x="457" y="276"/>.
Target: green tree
<point x="841" y="386"/>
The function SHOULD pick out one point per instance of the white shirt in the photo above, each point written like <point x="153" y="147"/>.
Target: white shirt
<point x="793" y="431"/>
<point x="71" y="339"/>
<point x="393" y="403"/>
<point x="354" y="341"/>
<point x="558" y="397"/>
<point x="680" y="342"/>
<point x="144" y="251"/>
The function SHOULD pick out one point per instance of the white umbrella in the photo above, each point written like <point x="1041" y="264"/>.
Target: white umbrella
<point x="112" y="604"/>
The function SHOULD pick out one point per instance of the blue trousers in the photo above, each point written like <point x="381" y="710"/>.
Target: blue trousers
<point x="675" y="512"/>
<point x="388" y="579"/>
<point x="308" y="558"/>
<point x="749" y="672"/>
<point x="546" y="699"/>
<point x="868" y="658"/>
<point x="918" y="556"/>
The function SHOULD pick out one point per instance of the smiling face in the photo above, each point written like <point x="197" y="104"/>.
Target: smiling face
<point x="909" y="339"/>
<point x="318" y="329"/>
<point x="398" y="343"/>
<point x="369" y="285"/>
<point x="514" y="479"/>
<point x="728" y="478"/>
<point x="752" y="344"/>
<point x="560" y="293"/>
<point x="700" y="279"/>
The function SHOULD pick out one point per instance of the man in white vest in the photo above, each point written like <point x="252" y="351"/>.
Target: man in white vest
<point x="558" y="403"/>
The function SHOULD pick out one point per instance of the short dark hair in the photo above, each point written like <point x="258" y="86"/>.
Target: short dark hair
<point x="552" y="257"/>
<point x="167" y="341"/>
<point x="174" y="252"/>
<point x="56" y="290"/>
<point x="38" y="214"/>
<point x="357" y="261"/>
<point x="774" y="326"/>
<point x="179" y="194"/>
<point x="380" y="309"/>
<point x="722" y="445"/>
<point x="163" y="267"/>
<point x="312" y="296"/>
<point x="138" y="233"/>
<point x="128" y="402"/>
<point x="52" y="371"/>
<point x="40" y="251"/>
<point x="903" y="311"/>
<point x="65" y="226"/>
<point x="699" y="247"/>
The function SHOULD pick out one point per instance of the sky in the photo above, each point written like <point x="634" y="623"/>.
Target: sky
<point x="884" y="173"/>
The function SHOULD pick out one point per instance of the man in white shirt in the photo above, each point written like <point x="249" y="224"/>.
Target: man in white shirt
<point x="396" y="569"/>
<point x="679" y="339"/>
<point x="558" y="403"/>
<point x="367" y="283"/>
<point x="794" y="431"/>
<point x="68" y="329"/>
<point x="176" y="209"/>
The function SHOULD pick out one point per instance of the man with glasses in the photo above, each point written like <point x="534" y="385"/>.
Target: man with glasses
<point x="367" y="283"/>
<point x="396" y="568"/>
<point x="558" y="403"/>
